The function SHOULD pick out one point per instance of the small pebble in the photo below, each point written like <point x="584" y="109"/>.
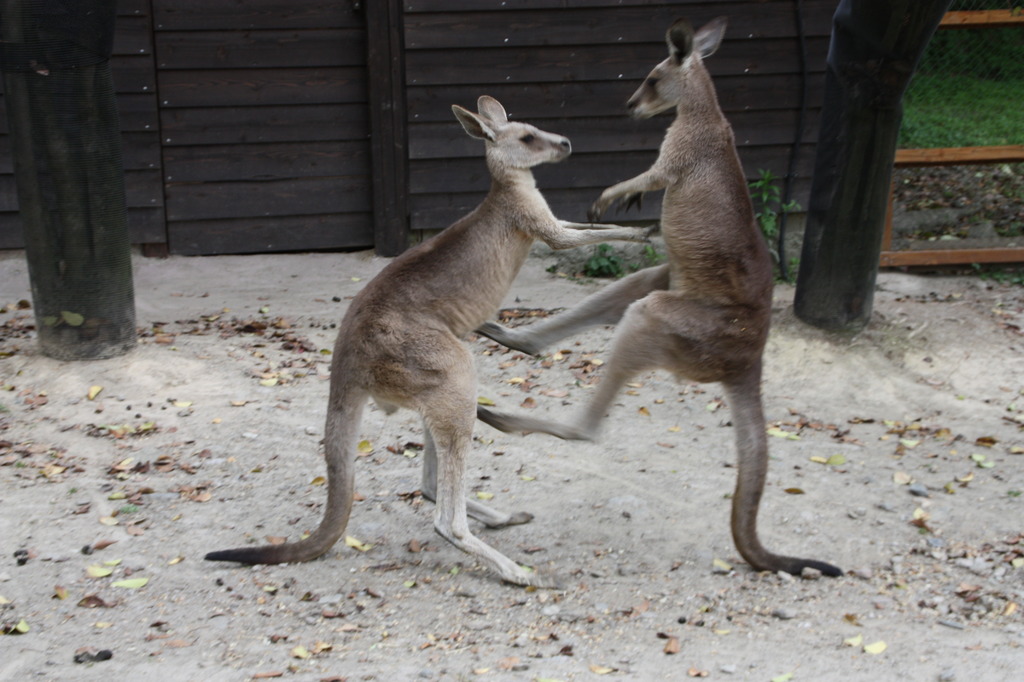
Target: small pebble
<point x="311" y="431"/>
<point x="784" y="614"/>
<point x="947" y="675"/>
<point x="864" y="573"/>
<point x="918" y="490"/>
<point x="250" y="435"/>
<point x="728" y="669"/>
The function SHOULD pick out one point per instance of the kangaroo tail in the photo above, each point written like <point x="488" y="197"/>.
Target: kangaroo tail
<point x="344" y="415"/>
<point x="744" y="394"/>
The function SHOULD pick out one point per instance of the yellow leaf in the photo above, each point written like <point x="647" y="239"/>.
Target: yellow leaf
<point x="131" y="583"/>
<point x="516" y="380"/>
<point x="103" y="625"/>
<point x="301" y="652"/>
<point x="674" y="429"/>
<point x="319" y="480"/>
<point x="1011" y="608"/>
<point x="268" y="382"/>
<point x="22" y="627"/>
<point x="819" y="460"/>
<point x="528" y="478"/>
<point x="909" y="444"/>
<point x="320" y="647"/>
<point x="643" y="411"/>
<point x="920" y="514"/>
<point x="108" y="521"/>
<point x="901" y="478"/>
<point x="721" y="565"/>
<point x="175" y="560"/>
<point x="854" y="641"/>
<point x="601" y="669"/>
<point x="779" y="433"/>
<point x="239" y="403"/>
<point x="965" y="479"/>
<point x="117" y="495"/>
<point x="59" y="592"/>
<point x="1018" y="562"/>
<point x="95" y="571"/>
<point x="356" y="544"/>
<point x="875" y="648"/>
<point x="484" y="401"/>
<point x="795" y="491"/>
<point x="785" y="677"/>
<point x="365" y="447"/>
<point x="182" y="403"/>
<point x="4" y="600"/>
<point x="112" y="562"/>
<point x="484" y="495"/>
<point x="93" y="392"/>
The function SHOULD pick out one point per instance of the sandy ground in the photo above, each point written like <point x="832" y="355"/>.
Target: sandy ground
<point x="896" y="456"/>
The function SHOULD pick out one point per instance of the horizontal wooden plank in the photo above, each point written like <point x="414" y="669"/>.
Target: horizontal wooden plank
<point x="891" y="259"/>
<point x="989" y="18"/>
<point x="133" y="73"/>
<point x="139" y="151"/>
<point x="412" y="6"/>
<point x="959" y="156"/>
<point x="276" y="234"/>
<point x="133" y="36"/>
<point x="142" y="188"/>
<point x="257" y="87"/>
<point x="225" y="125"/>
<point x="138" y="113"/>
<point x="580" y="170"/>
<point x="596" y="63"/>
<point x="203" y="15"/>
<point x="289" y="197"/>
<point x="144" y="226"/>
<point x="437" y="211"/>
<point x="541" y="101"/>
<point x="614" y="134"/>
<point x="133" y="8"/>
<point x="618" y="25"/>
<point x="266" y="161"/>
<point x="260" y="49"/>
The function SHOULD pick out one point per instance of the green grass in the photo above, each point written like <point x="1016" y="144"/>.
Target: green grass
<point x="960" y="111"/>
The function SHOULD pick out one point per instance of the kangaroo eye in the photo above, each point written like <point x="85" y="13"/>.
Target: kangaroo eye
<point x="527" y="139"/>
<point x="652" y="82"/>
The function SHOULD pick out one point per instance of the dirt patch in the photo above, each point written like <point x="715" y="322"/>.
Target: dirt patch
<point x="896" y="455"/>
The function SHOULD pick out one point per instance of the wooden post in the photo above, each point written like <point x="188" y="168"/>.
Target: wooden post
<point x="66" y="144"/>
<point x="389" y="140"/>
<point x="876" y="45"/>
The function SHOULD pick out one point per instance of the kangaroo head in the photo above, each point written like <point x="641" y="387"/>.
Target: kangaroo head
<point x="510" y="144"/>
<point x="668" y="84"/>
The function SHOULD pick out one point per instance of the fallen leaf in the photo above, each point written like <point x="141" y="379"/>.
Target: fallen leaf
<point x="779" y="433"/>
<point x="854" y="641"/>
<point x="300" y="652"/>
<point x="108" y="521"/>
<point x="365" y="447"/>
<point x="130" y="583"/>
<point x="696" y="672"/>
<point x="875" y="648"/>
<point x="485" y="401"/>
<point x="93" y="392"/>
<point x="481" y="495"/>
<point x="672" y="645"/>
<point x="721" y="565"/>
<point x="60" y="592"/>
<point x="267" y="675"/>
<point x="644" y="412"/>
<point x="901" y="478"/>
<point x="601" y="669"/>
<point x="182" y="403"/>
<point x="785" y="677"/>
<point x="795" y="491"/>
<point x="356" y="544"/>
<point x="95" y="571"/>
<point x="319" y="480"/>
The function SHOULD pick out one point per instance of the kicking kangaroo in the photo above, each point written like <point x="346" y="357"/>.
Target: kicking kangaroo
<point x="400" y="341"/>
<point x="705" y="314"/>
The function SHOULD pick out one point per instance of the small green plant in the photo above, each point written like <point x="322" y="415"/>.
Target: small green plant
<point x="999" y="275"/>
<point x="603" y="263"/>
<point x="769" y="209"/>
<point x="649" y="257"/>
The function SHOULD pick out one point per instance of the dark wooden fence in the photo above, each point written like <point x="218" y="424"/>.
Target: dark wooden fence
<point x="247" y="126"/>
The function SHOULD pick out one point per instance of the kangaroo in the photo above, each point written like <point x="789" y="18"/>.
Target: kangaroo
<point x="400" y="341"/>
<point x="705" y="314"/>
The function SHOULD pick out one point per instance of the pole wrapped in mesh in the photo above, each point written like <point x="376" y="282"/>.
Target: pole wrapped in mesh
<point x="66" y="145"/>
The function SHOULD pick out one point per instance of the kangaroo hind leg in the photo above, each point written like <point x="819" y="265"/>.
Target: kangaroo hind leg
<point x="490" y="517"/>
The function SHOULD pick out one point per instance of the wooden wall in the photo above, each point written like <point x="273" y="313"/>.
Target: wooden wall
<point x="246" y="125"/>
<point x="568" y="66"/>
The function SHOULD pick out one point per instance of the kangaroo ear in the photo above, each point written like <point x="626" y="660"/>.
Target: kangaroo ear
<point x="490" y="108"/>
<point x="709" y="37"/>
<point x="680" y="40"/>
<point x="475" y="125"/>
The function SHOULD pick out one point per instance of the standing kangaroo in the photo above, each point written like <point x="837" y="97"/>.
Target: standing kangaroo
<point x="705" y="314"/>
<point x="400" y="341"/>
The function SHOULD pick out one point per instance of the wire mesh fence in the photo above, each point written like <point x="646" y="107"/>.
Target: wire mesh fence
<point x="966" y="93"/>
